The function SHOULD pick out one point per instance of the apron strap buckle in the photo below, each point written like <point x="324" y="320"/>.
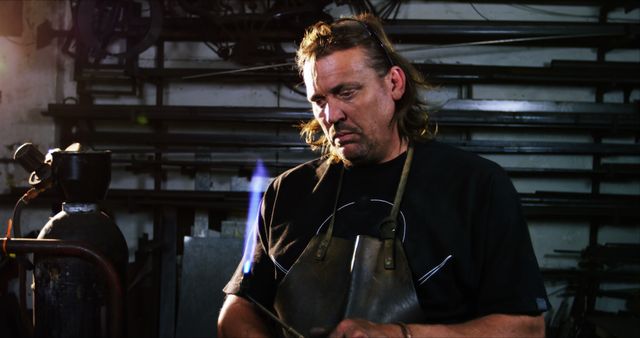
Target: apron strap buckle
<point x="388" y="235"/>
<point x="389" y="254"/>
<point x="322" y="248"/>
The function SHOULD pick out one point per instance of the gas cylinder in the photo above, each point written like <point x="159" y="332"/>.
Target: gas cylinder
<point x="70" y="294"/>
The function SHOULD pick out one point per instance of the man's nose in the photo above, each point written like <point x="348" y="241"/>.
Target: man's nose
<point x="333" y="112"/>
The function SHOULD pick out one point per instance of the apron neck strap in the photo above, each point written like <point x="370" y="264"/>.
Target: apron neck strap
<point x="389" y="225"/>
<point x="326" y="239"/>
<point x="403" y="182"/>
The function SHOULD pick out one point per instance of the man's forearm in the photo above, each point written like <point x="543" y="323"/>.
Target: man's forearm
<point x="238" y="318"/>
<point x="489" y="326"/>
<point x="496" y="325"/>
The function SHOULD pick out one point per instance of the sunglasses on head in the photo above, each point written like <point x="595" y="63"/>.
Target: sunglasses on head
<point x="373" y="36"/>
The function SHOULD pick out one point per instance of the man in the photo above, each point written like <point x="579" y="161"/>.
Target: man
<point x="391" y="233"/>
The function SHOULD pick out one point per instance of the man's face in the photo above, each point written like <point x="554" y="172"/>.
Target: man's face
<point x="354" y="106"/>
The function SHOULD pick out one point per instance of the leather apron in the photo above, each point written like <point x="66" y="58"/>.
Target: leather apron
<point x="336" y="278"/>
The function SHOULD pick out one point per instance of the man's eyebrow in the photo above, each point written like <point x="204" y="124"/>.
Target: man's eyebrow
<point x="337" y="89"/>
<point x="348" y="85"/>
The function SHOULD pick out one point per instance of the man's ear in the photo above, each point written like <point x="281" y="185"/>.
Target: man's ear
<point x="398" y="80"/>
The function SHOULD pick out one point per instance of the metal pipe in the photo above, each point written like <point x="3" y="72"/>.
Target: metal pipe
<point x="277" y="319"/>
<point x="84" y="251"/>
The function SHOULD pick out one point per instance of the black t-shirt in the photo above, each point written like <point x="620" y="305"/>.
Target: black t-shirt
<point x="460" y="223"/>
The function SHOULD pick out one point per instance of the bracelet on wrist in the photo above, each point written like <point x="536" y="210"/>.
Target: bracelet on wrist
<point x="406" y="333"/>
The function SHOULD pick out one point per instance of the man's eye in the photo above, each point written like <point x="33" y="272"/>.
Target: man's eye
<point x="320" y="103"/>
<point x="346" y="94"/>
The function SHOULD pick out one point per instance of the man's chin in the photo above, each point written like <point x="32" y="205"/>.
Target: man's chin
<point x="350" y="154"/>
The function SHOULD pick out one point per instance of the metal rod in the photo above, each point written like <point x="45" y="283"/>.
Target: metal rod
<point x="81" y="250"/>
<point x="238" y="70"/>
<point x="266" y="311"/>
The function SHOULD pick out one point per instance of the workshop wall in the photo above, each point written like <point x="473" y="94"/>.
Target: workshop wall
<point x="31" y="77"/>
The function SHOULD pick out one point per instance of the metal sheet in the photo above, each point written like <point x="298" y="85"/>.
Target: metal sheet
<point x="207" y="265"/>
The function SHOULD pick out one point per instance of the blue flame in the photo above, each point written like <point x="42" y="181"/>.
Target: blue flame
<point x="258" y="180"/>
